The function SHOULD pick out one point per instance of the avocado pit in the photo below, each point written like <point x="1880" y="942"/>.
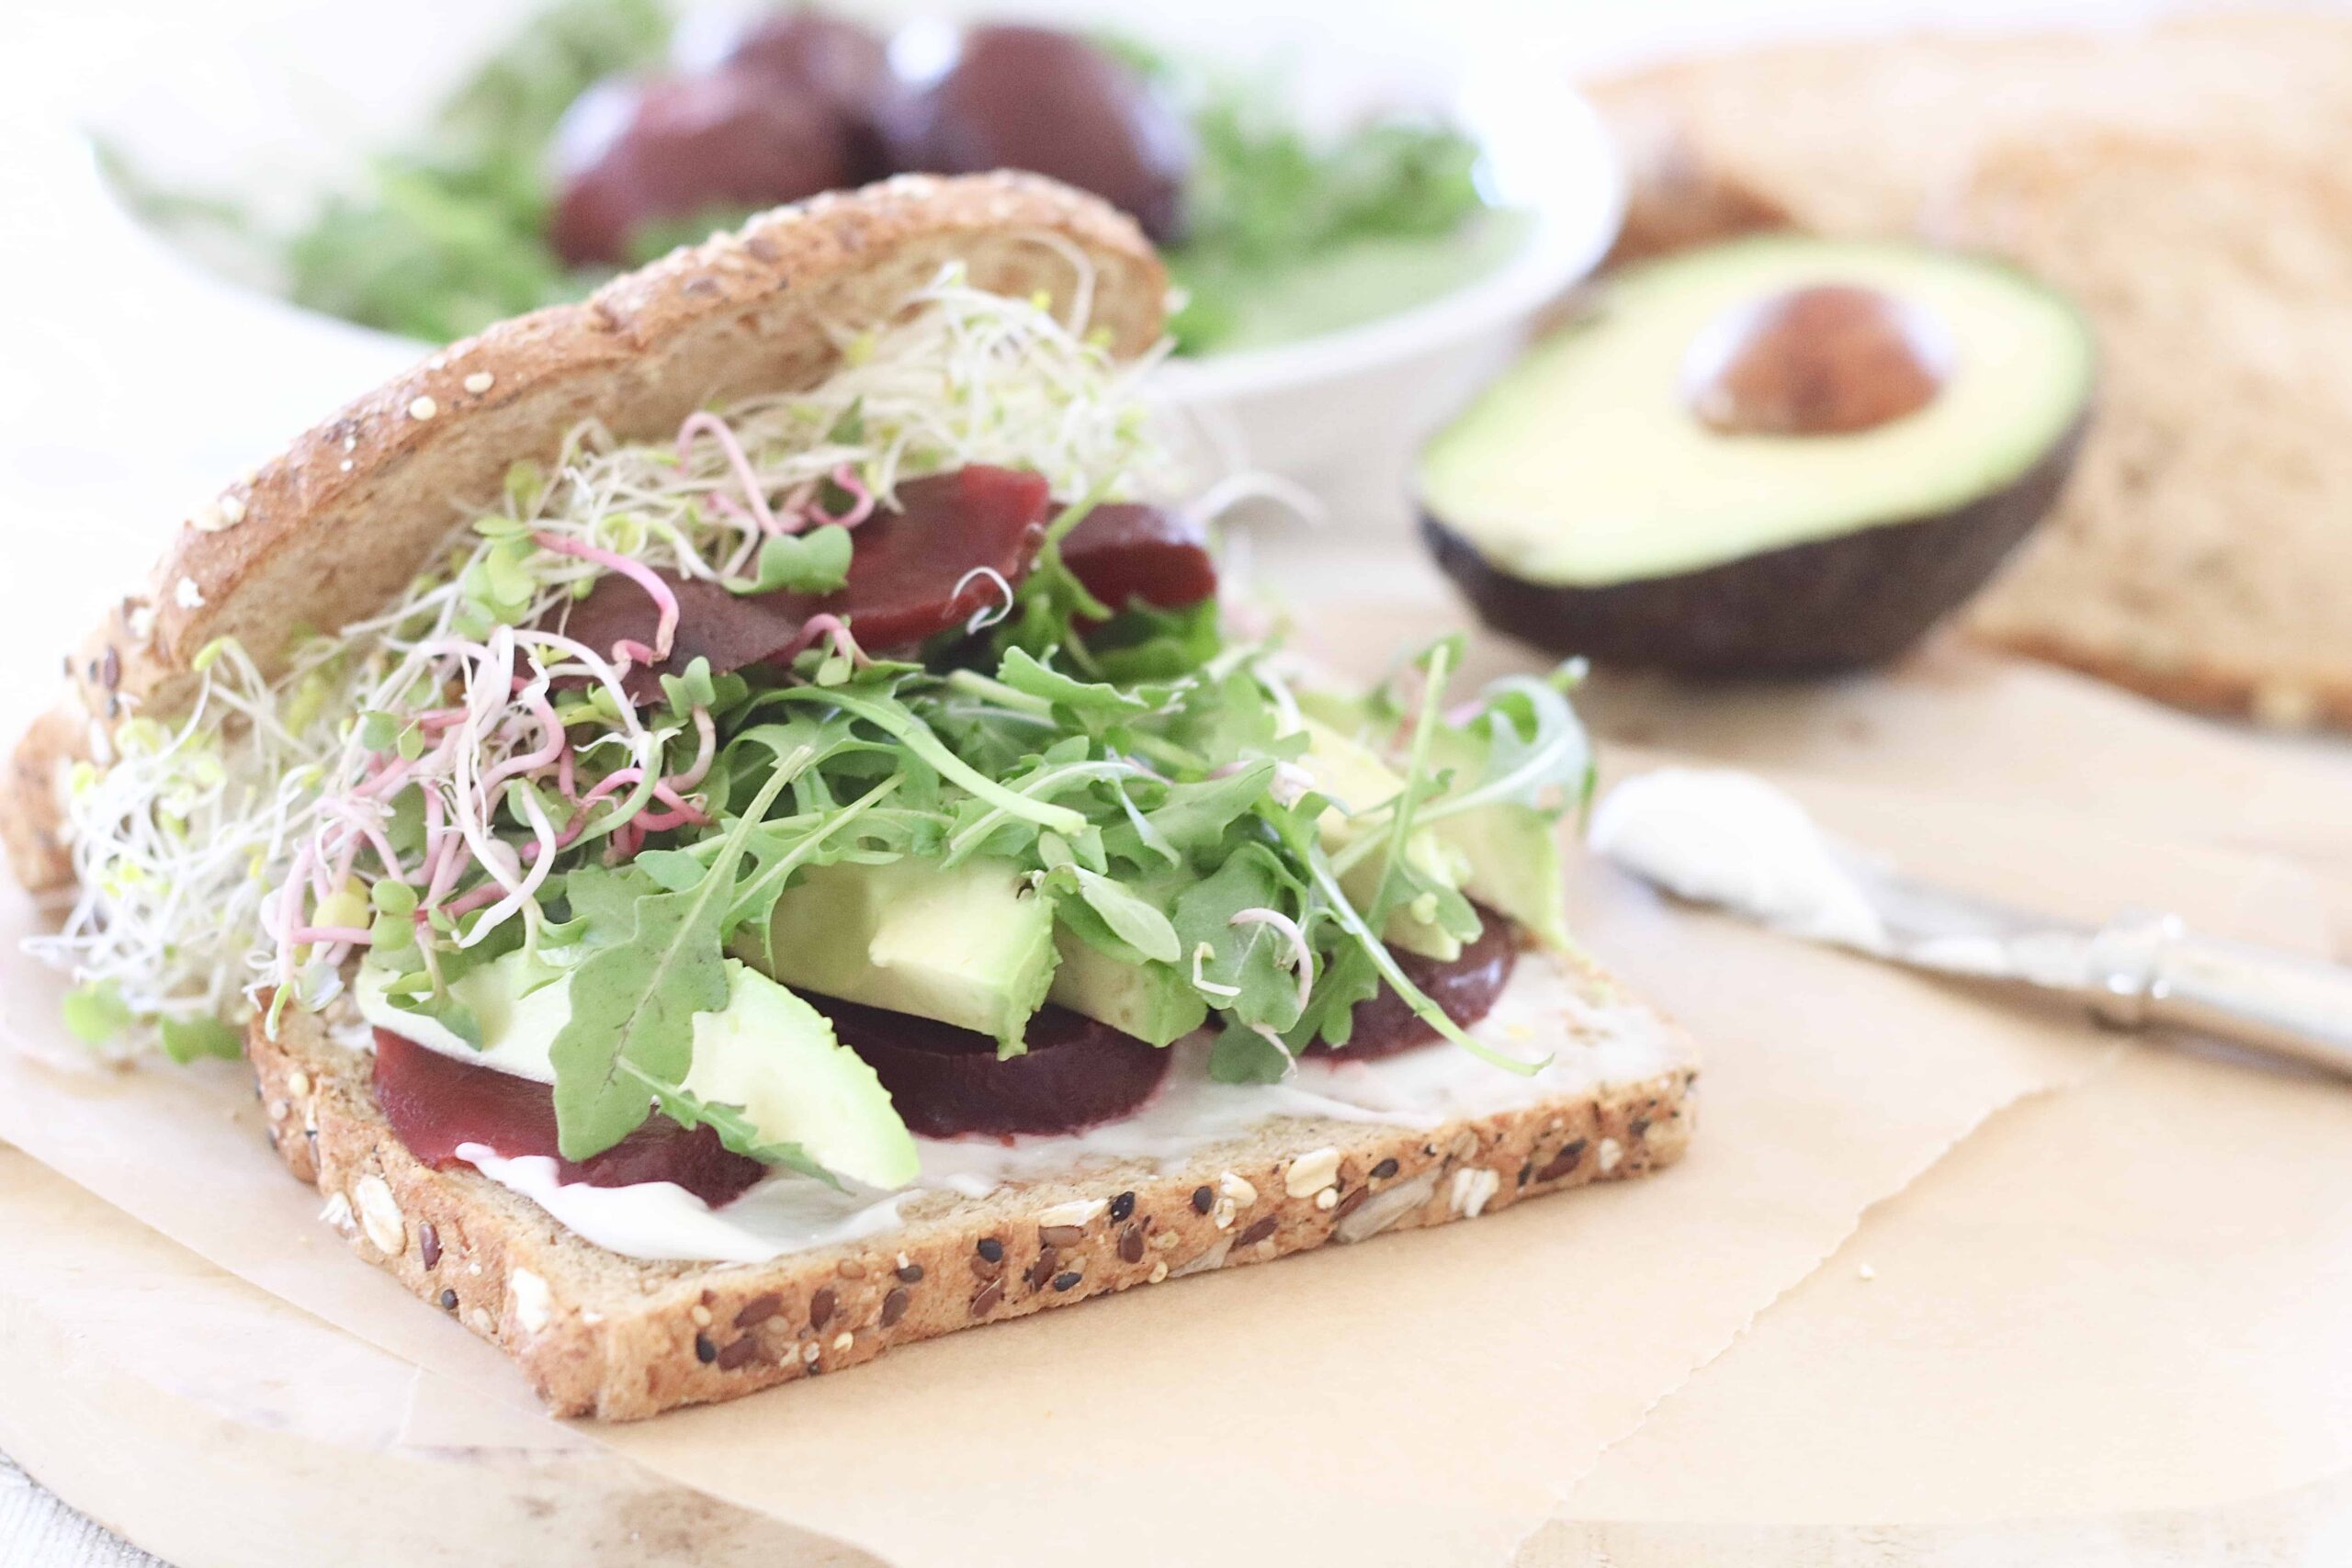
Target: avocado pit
<point x="1824" y="359"/>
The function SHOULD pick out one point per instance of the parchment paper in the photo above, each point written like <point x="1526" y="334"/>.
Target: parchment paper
<point x="1423" y="1399"/>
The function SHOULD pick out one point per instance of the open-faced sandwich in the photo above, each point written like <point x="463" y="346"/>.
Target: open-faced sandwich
<point x="732" y="830"/>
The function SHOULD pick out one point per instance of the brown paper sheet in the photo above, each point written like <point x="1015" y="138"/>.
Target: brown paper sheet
<point x="1405" y="1402"/>
<point x="1425" y="1399"/>
<point x="2124" y="1299"/>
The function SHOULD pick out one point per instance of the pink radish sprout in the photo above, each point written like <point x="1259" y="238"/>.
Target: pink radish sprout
<point x="637" y="571"/>
<point x="710" y="424"/>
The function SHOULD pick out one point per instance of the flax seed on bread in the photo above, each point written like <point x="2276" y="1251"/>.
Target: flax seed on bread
<point x="614" y="1337"/>
<point x="2183" y="180"/>
<point x="331" y="528"/>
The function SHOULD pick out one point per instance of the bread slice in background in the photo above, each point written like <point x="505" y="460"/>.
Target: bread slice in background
<point x="614" y="1337"/>
<point x="2182" y="179"/>
<point x="2204" y="554"/>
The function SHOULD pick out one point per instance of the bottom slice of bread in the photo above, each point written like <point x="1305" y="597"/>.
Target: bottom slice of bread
<point x="599" y="1334"/>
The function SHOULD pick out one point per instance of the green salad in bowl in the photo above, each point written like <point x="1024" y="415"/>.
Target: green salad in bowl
<point x="603" y="132"/>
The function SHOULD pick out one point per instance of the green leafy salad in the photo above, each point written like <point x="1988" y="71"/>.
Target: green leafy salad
<point x="1288" y="234"/>
<point x="459" y="817"/>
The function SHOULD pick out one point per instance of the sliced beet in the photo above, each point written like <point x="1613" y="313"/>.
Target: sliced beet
<point x="910" y="574"/>
<point x="635" y="154"/>
<point x="910" y="578"/>
<point x="731" y="630"/>
<point x="947" y="1081"/>
<point x="1464" y="990"/>
<point x="435" y="1103"/>
<point x="1125" y="553"/>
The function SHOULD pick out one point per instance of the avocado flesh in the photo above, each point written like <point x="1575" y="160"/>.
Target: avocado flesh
<point x="1154" y="1002"/>
<point x="1351" y="774"/>
<point x="1506" y="856"/>
<point x="767" y="1052"/>
<point x="971" y="944"/>
<point x="1584" y="466"/>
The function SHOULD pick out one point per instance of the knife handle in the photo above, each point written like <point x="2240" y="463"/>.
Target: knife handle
<point x="2148" y="968"/>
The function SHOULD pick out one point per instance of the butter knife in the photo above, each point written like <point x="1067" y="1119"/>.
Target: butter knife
<point x="1730" y="840"/>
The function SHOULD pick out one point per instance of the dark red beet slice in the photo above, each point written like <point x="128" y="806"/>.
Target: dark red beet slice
<point x="909" y="579"/>
<point x="435" y="1103"/>
<point x="947" y="1081"/>
<point x="633" y="153"/>
<point x="1464" y="991"/>
<point x="730" y="629"/>
<point x="910" y="576"/>
<point x="1124" y="552"/>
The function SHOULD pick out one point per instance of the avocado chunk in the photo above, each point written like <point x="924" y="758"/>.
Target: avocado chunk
<point x="767" y="1052"/>
<point x="1780" y="454"/>
<point x="1154" y="1002"/>
<point x="1355" y="777"/>
<point x="1506" y="856"/>
<point x="774" y="1056"/>
<point x="970" y="944"/>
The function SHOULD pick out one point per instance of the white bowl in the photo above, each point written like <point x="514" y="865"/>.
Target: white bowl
<point x="290" y="108"/>
<point x="1343" y="408"/>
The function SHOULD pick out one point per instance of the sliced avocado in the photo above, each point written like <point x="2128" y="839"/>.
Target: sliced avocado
<point x="1351" y="774"/>
<point x="1513" y="854"/>
<point x="516" y="1004"/>
<point x="767" y="1052"/>
<point x="1154" y="1002"/>
<point x="971" y="945"/>
<point x="1778" y="454"/>
<point x="1508" y="855"/>
<point x="775" y="1057"/>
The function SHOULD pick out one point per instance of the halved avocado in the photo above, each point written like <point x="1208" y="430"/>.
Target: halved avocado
<point x="1780" y="454"/>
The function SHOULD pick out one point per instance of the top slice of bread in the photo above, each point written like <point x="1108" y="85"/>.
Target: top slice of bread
<point x="329" y="530"/>
<point x="2182" y="179"/>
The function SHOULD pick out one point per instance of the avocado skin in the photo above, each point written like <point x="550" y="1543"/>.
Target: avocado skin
<point x="1827" y="604"/>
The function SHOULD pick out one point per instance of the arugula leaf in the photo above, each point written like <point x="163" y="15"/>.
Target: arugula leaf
<point x="1023" y="672"/>
<point x="1243" y="1056"/>
<point x="1348" y="978"/>
<point x="1193" y="817"/>
<point x="1134" y="920"/>
<point x="633" y="1004"/>
<point x="814" y="562"/>
<point x="1253" y="958"/>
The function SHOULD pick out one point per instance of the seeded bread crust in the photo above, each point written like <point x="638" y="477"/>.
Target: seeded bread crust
<point x="617" y="1338"/>
<point x="327" y="532"/>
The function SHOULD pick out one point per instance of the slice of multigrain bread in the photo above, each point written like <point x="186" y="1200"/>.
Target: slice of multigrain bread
<point x="602" y="1334"/>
